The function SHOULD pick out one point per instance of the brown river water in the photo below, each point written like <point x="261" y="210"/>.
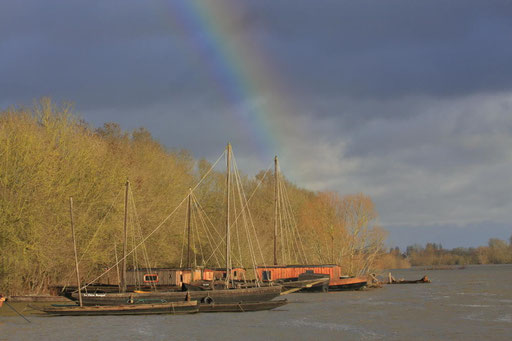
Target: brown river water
<point x="470" y="304"/>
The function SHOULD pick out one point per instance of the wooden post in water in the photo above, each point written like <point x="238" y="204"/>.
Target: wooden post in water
<point x="188" y="228"/>
<point x="76" y="253"/>
<point x="228" y="240"/>
<point x="117" y="266"/>
<point x="125" y="238"/>
<point x="275" y="208"/>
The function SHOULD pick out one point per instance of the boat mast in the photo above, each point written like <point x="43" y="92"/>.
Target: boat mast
<point x="275" y="209"/>
<point x="125" y="238"/>
<point x="188" y="227"/>
<point x="76" y="253"/>
<point x="228" y="241"/>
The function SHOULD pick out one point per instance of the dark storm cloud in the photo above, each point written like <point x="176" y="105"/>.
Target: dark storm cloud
<point x="361" y="48"/>
<point x="397" y="48"/>
<point x="407" y="101"/>
<point x="103" y="54"/>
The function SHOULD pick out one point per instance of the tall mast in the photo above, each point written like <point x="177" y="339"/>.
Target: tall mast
<point x="228" y="241"/>
<point x="125" y="238"/>
<point x="74" y="247"/>
<point x="275" y="209"/>
<point x="188" y="227"/>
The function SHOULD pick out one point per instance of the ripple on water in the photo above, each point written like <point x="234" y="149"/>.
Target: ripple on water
<point x="473" y="317"/>
<point x="381" y="303"/>
<point x="472" y="305"/>
<point x="477" y="293"/>
<point x="362" y="333"/>
<point x="505" y="318"/>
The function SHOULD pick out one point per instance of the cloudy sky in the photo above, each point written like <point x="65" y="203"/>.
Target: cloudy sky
<point x="409" y="102"/>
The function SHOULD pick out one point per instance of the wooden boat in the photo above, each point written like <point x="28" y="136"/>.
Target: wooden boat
<point x="347" y="283"/>
<point x="186" y="307"/>
<point x="288" y="274"/>
<point x="295" y="276"/>
<point x="311" y="282"/>
<point x="257" y="294"/>
<point x="318" y="284"/>
<point x="424" y="279"/>
<point x="38" y="298"/>
<point x="204" y="285"/>
<point x="240" y="306"/>
<point x="230" y="294"/>
<point x="163" y="279"/>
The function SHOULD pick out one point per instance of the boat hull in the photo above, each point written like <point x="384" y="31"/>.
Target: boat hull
<point x="351" y="283"/>
<point x="188" y="307"/>
<point x="308" y="285"/>
<point x="260" y="294"/>
<point x="241" y="307"/>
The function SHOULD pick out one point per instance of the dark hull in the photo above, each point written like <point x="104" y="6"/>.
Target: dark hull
<point x="208" y="296"/>
<point x="350" y="286"/>
<point x="38" y="299"/>
<point x="106" y="288"/>
<point x="308" y="285"/>
<point x="404" y="281"/>
<point x="347" y="283"/>
<point x="241" y="307"/>
<point x="322" y="287"/>
<point x="189" y="307"/>
<point x="205" y="285"/>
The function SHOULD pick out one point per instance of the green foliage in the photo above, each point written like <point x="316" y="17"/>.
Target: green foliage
<point x="47" y="154"/>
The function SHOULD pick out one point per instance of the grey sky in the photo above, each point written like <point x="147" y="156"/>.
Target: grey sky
<point x="407" y="101"/>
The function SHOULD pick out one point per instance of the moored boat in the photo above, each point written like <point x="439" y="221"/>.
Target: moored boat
<point x="298" y="276"/>
<point x="288" y="274"/>
<point x="347" y="283"/>
<point x="240" y="306"/>
<point x="230" y="293"/>
<point x="185" y="307"/>
<point x="38" y="298"/>
<point x="424" y="279"/>
<point x="256" y="294"/>
<point x="319" y="284"/>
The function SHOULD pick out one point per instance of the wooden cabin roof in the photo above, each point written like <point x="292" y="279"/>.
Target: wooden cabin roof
<point x="296" y="266"/>
<point x="167" y="269"/>
<point x="224" y="269"/>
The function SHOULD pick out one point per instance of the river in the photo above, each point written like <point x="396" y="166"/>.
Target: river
<point x="474" y="303"/>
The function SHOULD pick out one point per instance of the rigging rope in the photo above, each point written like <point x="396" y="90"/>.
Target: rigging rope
<point x="208" y="233"/>
<point x="158" y="226"/>
<point x="139" y="230"/>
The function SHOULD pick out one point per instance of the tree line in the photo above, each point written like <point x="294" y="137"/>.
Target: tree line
<point x="497" y="251"/>
<point x="48" y="154"/>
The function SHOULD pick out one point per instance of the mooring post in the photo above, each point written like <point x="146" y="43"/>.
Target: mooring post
<point x="125" y="238"/>
<point x="76" y="253"/>
<point x="228" y="240"/>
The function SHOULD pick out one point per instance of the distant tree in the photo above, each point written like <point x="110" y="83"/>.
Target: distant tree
<point x="498" y="251"/>
<point x="141" y="134"/>
<point x="111" y="130"/>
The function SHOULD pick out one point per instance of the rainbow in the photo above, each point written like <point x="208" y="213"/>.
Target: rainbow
<point x="240" y="69"/>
